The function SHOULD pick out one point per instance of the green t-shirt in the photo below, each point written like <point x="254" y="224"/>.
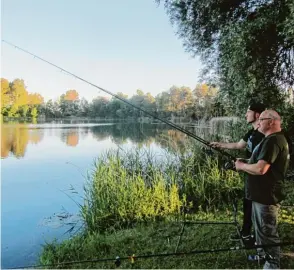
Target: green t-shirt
<point x="268" y="188"/>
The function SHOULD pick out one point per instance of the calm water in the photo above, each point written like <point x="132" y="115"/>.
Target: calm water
<point x="41" y="162"/>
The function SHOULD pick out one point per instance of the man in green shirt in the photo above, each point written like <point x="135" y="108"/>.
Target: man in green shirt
<point x="266" y="171"/>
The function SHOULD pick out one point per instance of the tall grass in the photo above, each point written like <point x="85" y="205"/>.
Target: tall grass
<point x="129" y="187"/>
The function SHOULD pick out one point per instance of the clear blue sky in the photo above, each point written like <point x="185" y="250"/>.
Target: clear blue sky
<point x="120" y="45"/>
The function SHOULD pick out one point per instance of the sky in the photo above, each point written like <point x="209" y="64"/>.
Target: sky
<point x="119" y="45"/>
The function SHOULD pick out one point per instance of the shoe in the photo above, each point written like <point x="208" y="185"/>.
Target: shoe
<point x="248" y="237"/>
<point x="248" y="240"/>
<point x="245" y="237"/>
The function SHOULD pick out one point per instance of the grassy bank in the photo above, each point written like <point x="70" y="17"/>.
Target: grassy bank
<point x="157" y="238"/>
<point x="135" y="203"/>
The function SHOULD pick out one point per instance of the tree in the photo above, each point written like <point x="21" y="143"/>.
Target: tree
<point x="17" y="97"/>
<point x="149" y="102"/>
<point x="247" y="45"/>
<point x="174" y="92"/>
<point x="117" y="107"/>
<point x="137" y="100"/>
<point x="68" y="103"/>
<point x="4" y="94"/>
<point x="140" y="92"/>
<point x="24" y="110"/>
<point x="99" y="107"/>
<point x="71" y="95"/>
<point x="163" y="102"/>
<point x="35" y="99"/>
<point x="201" y="90"/>
<point x="49" y="108"/>
<point x="83" y="107"/>
<point x="186" y="97"/>
<point x="18" y="93"/>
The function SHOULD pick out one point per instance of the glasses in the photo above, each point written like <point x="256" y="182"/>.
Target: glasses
<point x="266" y="118"/>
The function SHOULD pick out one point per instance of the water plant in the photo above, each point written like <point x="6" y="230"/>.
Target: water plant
<point x="129" y="187"/>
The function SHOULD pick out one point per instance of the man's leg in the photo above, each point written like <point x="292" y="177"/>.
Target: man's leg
<point x="265" y="219"/>
<point x="247" y="222"/>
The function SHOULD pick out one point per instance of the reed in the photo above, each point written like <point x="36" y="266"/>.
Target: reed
<point x="137" y="186"/>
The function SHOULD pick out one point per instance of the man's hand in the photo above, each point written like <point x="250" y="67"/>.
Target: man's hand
<point x="239" y="164"/>
<point x="216" y="144"/>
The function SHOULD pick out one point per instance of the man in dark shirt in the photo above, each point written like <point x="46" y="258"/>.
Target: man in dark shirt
<point x="266" y="171"/>
<point x="250" y="140"/>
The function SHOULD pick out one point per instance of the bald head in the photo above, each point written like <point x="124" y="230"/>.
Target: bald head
<point x="272" y="114"/>
<point x="269" y="122"/>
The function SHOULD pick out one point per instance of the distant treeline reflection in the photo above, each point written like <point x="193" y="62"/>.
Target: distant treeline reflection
<point x="16" y="137"/>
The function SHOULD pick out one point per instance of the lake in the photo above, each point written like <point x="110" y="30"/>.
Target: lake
<point x="44" y="168"/>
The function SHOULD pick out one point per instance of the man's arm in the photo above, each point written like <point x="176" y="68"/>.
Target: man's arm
<point x="236" y="145"/>
<point x="259" y="168"/>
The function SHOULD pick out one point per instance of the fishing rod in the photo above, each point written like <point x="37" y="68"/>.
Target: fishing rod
<point x="129" y="103"/>
<point x="134" y="257"/>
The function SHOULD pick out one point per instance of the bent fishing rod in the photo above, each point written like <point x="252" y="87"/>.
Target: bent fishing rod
<point x="199" y="139"/>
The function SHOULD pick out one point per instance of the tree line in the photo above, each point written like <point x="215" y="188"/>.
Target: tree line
<point x="199" y="102"/>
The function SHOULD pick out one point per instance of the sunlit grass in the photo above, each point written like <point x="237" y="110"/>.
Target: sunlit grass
<point x="126" y="188"/>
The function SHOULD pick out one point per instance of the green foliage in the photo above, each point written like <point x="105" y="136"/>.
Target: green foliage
<point x="287" y="114"/>
<point x="247" y="46"/>
<point x="16" y="101"/>
<point x="287" y="215"/>
<point x="205" y="184"/>
<point x="68" y="103"/>
<point x="177" y="101"/>
<point x="34" y="112"/>
<point x="5" y="100"/>
<point x="120" y="194"/>
<point x="135" y="187"/>
<point x="24" y="110"/>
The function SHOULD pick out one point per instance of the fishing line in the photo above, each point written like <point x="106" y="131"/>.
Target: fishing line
<point x="129" y="103"/>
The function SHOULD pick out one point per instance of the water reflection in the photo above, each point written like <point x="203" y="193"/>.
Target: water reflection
<point x="71" y="137"/>
<point x="16" y="137"/>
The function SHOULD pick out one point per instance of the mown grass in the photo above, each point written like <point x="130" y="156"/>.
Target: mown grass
<point x="135" y="202"/>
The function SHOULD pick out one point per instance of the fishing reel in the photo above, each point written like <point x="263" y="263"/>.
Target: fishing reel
<point x="229" y="165"/>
